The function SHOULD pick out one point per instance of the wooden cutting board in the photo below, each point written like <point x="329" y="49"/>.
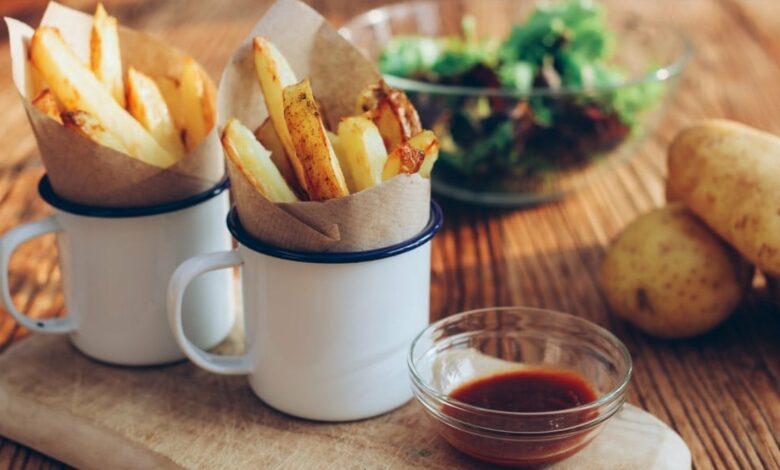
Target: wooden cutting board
<point x="91" y="415"/>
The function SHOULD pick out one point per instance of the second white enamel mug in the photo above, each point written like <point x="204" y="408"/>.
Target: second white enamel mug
<point x="327" y="334"/>
<point x="116" y="264"/>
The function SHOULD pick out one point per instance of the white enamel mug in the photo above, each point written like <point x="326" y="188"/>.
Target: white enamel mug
<point x="116" y="264"/>
<point x="327" y="334"/>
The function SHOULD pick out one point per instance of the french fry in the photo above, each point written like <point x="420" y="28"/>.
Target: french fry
<point x="324" y="179"/>
<point x="392" y="112"/>
<point x="77" y="88"/>
<point x="47" y="104"/>
<point x="428" y="143"/>
<point x="335" y="142"/>
<point x="91" y="128"/>
<point x="255" y="163"/>
<point x="146" y="104"/>
<point x="197" y="105"/>
<point x="404" y="159"/>
<point x="418" y="154"/>
<point x="170" y="89"/>
<point x="104" y="55"/>
<point x="274" y="74"/>
<point x="391" y="126"/>
<point x="36" y="84"/>
<point x="362" y="153"/>
<point x="267" y="136"/>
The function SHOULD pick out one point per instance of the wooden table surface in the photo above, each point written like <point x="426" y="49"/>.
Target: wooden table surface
<point x="721" y="391"/>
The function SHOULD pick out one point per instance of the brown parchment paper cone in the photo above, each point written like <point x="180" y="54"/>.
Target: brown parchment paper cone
<point x="381" y="216"/>
<point x="84" y="172"/>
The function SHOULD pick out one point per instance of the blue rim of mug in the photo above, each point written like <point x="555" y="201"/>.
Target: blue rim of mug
<point x="47" y="194"/>
<point x="243" y="237"/>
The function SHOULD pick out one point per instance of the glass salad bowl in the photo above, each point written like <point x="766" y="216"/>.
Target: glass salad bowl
<point x="525" y="114"/>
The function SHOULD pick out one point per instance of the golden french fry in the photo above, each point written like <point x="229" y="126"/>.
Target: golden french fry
<point x="36" y="84"/>
<point x="170" y="89"/>
<point x="274" y="74"/>
<point x="146" y="104"/>
<point x="197" y="104"/>
<point x="418" y="154"/>
<point x="267" y="136"/>
<point x="361" y="153"/>
<point x="77" y="88"/>
<point x="255" y="163"/>
<point x="403" y="159"/>
<point x="104" y="55"/>
<point x="391" y="111"/>
<point x="428" y="143"/>
<point x="391" y="127"/>
<point x="47" y="104"/>
<point x="90" y="127"/>
<point x="335" y="142"/>
<point x="209" y="102"/>
<point x="324" y="179"/>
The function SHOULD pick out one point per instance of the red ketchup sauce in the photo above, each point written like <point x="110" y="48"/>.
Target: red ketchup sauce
<point x="521" y="391"/>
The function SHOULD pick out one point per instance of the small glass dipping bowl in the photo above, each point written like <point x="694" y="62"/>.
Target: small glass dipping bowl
<point x="482" y="343"/>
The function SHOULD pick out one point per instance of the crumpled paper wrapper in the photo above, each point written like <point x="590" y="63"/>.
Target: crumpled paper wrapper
<point x="386" y="214"/>
<point x="84" y="172"/>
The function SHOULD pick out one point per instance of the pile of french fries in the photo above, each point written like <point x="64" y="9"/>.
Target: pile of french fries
<point x="154" y="119"/>
<point x="293" y="157"/>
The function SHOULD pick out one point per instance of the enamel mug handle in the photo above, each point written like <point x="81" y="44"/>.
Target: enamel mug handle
<point x="184" y="274"/>
<point x="8" y="244"/>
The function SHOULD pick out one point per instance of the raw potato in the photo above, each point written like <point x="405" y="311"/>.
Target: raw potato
<point x="324" y="179"/>
<point x="671" y="276"/>
<point x="104" y="55"/>
<point x="727" y="173"/>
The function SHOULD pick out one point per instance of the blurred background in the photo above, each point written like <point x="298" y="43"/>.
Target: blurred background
<point x="720" y="390"/>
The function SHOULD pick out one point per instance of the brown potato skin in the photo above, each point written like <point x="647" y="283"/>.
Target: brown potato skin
<point x="669" y="275"/>
<point x="324" y="179"/>
<point x="391" y="111"/>
<point x="728" y="174"/>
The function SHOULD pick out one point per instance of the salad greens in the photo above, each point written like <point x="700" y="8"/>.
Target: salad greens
<point x="564" y="45"/>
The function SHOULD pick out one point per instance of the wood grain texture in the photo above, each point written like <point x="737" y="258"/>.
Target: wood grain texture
<point x="182" y="417"/>
<point x="721" y="391"/>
